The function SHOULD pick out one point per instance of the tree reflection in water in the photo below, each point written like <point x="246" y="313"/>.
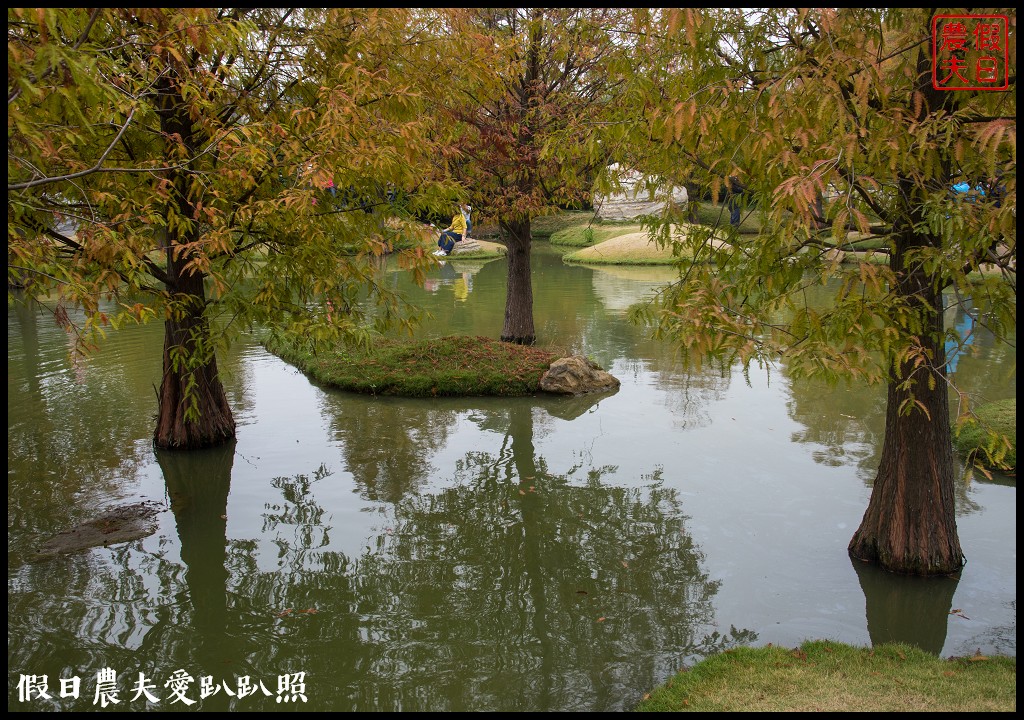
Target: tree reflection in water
<point x="514" y="589"/>
<point x="904" y="609"/>
<point x="443" y="566"/>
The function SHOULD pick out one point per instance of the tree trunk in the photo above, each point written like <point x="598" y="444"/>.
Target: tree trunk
<point x="910" y="523"/>
<point x="519" y="295"/>
<point x="193" y="409"/>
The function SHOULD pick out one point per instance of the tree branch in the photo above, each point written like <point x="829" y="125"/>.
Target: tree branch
<point x="73" y="176"/>
<point x="11" y="97"/>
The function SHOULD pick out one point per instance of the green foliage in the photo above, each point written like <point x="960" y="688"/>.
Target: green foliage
<point x="181" y="158"/>
<point x="826" y="121"/>
<point x="159" y="152"/>
<point x="118" y="188"/>
<point x="534" y="85"/>
<point x="829" y="106"/>
<point x="989" y="438"/>
<point x="448" y="366"/>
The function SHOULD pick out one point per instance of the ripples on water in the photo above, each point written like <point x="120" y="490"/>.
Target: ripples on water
<point x="467" y="554"/>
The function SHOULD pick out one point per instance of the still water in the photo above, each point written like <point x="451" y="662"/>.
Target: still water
<point x="538" y="553"/>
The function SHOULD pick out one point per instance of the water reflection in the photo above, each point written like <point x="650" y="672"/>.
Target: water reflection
<point x="543" y="591"/>
<point x="539" y="553"/>
<point x="905" y="609"/>
<point x="198" y="484"/>
<point x="619" y="287"/>
<point x="387" y="471"/>
<point x="67" y="451"/>
<point x="538" y="586"/>
<point x="848" y="421"/>
<point x="515" y="588"/>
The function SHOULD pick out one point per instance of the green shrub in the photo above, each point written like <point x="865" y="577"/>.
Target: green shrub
<point x="990" y="438"/>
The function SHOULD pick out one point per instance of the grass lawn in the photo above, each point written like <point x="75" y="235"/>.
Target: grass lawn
<point x="633" y="248"/>
<point x="603" y="243"/>
<point x="581" y="230"/>
<point x="543" y="227"/>
<point x="822" y="676"/>
<point x="591" y="233"/>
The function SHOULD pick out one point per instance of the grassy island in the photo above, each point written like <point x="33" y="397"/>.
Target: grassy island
<point x="454" y="365"/>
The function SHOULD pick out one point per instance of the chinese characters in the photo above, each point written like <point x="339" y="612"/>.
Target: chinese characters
<point x="179" y="688"/>
<point x="970" y="52"/>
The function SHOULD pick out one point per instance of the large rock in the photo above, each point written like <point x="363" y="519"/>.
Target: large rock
<point x="466" y="245"/>
<point x="577" y="375"/>
<point x="634" y="200"/>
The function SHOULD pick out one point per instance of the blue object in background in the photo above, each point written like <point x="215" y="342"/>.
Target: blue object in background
<point x="954" y="348"/>
<point x="964" y="188"/>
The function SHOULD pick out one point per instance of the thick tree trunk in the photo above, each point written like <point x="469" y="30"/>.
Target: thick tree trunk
<point x="518" y="326"/>
<point x="910" y="524"/>
<point x="193" y="409"/>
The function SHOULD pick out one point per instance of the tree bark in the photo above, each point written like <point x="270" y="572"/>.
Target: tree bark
<point x="910" y="523"/>
<point x="193" y="409"/>
<point x="518" y="326"/>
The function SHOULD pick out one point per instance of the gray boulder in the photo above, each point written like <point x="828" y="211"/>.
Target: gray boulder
<point x="577" y="375"/>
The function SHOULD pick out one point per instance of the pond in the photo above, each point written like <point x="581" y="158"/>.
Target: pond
<point x="542" y="553"/>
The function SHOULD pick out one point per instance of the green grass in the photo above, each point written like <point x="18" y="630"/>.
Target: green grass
<point x="635" y="248"/>
<point x="822" y="676"/>
<point x="544" y="226"/>
<point x="717" y="215"/>
<point x="482" y="254"/>
<point x="588" y="234"/>
<point x="990" y="438"/>
<point x="636" y="258"/>
<point x="575" y="234"/>
<point x="448" y="366"/>
<point x="582" y="230"/>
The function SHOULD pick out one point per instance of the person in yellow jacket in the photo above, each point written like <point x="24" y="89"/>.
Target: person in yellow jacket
<point x="451" y="234"/>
